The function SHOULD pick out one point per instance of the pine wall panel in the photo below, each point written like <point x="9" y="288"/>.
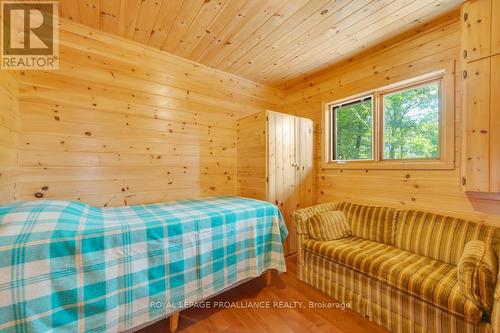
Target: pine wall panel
<point x="424" y="50"/>
<point x="9" y="137"/>
<point x="120" y="123"/>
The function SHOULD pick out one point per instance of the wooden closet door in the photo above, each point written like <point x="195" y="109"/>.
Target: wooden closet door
<point x="290" y="168"/>
<point x="478" y="125"/>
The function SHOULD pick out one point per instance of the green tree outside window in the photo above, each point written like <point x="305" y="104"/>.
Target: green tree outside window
<point x="411" y="123"/>
<point x="354" y="130"/>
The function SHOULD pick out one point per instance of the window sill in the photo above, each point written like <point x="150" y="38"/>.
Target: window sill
<point x="390" y="165"/>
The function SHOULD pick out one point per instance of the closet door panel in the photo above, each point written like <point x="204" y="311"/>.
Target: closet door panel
<point x="287" y="178"/>
<point x="289" y="165"/>
<point x="478" y="126"/>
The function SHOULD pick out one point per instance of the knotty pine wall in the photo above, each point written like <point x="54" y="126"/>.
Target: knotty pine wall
<point x="428" y="48"/>
<point x="9" y="137"/>
<point x="120" y="123"/>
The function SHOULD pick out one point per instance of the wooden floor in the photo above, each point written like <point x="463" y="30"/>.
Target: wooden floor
<point x="284" y="287"/>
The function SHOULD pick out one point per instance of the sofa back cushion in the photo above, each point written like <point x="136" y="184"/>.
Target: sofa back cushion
<point x="369" y="222"/>
<point x="438" y="237"/>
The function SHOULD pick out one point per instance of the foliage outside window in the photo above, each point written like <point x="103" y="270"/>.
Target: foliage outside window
<point x="411" y="123"/>
<point x="400" y="126"/>
<point x="353" y="134"/>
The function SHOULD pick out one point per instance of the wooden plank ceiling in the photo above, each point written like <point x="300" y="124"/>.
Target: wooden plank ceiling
<point x="276" y="42"/>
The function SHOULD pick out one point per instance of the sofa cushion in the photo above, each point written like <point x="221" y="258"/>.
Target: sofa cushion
<point x="438" y="237"/>
<point x="302" y="216"/>
<point x="433" y="281"/>
<point x="477" y="273"/>
<point x="369" y="222"/>
<point x="329" y="226"/>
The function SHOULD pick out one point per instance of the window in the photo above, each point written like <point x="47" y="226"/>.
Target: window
<point x="411" y="123"/>
<point x="404" y="125"/>
<point x="353" y="130"/>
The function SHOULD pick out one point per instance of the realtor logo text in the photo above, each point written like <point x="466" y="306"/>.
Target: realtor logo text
<point x="30" y="35"/>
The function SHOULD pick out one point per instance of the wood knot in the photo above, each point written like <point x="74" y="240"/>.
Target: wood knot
<point x="38" y="195"/>
<point x="45" y="188"/>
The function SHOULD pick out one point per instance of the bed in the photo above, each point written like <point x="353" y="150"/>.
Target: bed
<point x="69" y="267"/>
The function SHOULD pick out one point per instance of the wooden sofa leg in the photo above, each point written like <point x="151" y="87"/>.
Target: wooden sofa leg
<point x="173" y="322"/>
<point x="268" y="277"/>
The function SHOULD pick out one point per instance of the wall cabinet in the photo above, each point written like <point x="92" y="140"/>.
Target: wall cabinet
<point x="275" y="163"/>
<point x="477" y="104"/>
<point x="495" y="27"/>
<point x="480" y="34"/>
<point x="476" y="29"/>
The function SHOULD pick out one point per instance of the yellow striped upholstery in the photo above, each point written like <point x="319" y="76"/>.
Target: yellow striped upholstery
<point x="301" y="218"/>
<point x="432" y="281"/>
<point x="329" y="226"/>
<point x="495" y="314"/>
<point x="438" y="237"/>
<point x="381" y="303"/>
<point x="412" y="286"/>
<point x="368" y="222"/>
<point x="477" y="273"/>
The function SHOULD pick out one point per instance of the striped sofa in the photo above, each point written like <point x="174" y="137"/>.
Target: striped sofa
<point x="399" y="268"/>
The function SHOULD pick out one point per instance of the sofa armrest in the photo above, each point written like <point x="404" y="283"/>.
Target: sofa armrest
<point x="301" y="218"/>
<point x="495" y="316"/>
<point x="495" y="313"/>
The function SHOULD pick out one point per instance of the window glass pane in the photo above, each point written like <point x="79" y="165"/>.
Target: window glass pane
<point x="411" y="123"/>
<point x="352" y="127"/>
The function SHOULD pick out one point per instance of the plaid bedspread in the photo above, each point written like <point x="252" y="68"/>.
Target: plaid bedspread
<point x="70" y="267"/>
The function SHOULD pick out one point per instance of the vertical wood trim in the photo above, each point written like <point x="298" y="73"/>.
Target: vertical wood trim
<point x="495" y="125"/>
<point x="9" y="138"/>
<point x="271" y="158"/>
<point x="280" y="199"/>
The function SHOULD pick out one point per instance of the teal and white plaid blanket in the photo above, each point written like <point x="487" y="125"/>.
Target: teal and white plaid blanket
<point x="70" y="267"/>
